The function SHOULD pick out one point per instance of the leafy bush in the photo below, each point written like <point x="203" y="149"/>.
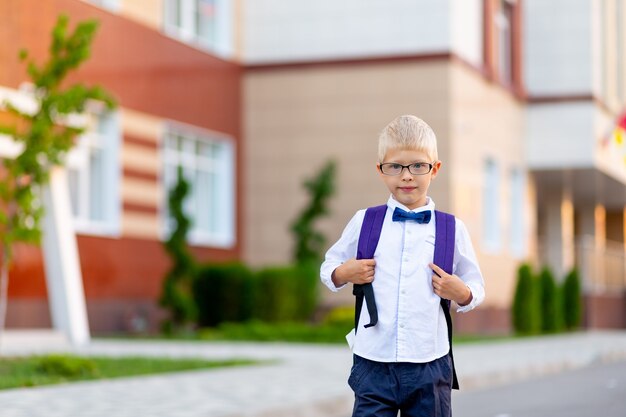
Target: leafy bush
<point x="287" y="293"/>
<point x="309" y="242"/>
<point x="551" y="311"/>
<point x="176" y="293"/>
<point x="234" y="293"/>
<point x="66" y="366"/>
<point x="340" y="316"/>
<point x="526" y="318"/>
<point x="572" y="300"/>
<point x="223" y="293"/>
<point x="282" y="331"/>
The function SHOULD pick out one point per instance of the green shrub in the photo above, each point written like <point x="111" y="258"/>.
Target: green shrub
<point x="572" y="300"/>
<point x="66" y="367"/>
<point x="525" y="311"/>
<point x="286" y="293"/>
<point x="551" y="311"/>
<point x="176" y="293"/>
<point x="340" y="316"/>
<point x="222" y="293"/>
<point x="283" y="331"/>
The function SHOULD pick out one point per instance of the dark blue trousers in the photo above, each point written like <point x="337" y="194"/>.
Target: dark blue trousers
<point x="415" y="389"/>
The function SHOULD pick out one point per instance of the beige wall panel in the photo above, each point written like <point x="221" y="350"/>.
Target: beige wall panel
<point x="144" y="192"/>
<point x="140" y="158"/>
<point x="297" y="119"/>
<point x="142" y="125"/>
<point x="147" y="12"/>
<point x="487" y="122"/>
<point x="140" y="225"/>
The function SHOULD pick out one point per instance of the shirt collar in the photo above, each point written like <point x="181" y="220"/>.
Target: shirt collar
<point x="393" y="203"/>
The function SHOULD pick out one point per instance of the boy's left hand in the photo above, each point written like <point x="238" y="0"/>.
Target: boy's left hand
<point x="450" y="287"/>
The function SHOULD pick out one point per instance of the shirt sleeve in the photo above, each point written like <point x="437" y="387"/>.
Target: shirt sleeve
<point x="466" y="267"/>
<point x="344" y="249"/>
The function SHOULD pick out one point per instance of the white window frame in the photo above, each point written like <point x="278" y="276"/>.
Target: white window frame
<point x="504" y="26"/>
<point x="518" y="220"/>
<point x="112" y="5"/>
<point x="491" y="206"/>
<point x="187" y="31"/>
<point x="221" y="230"/>
<point x="79" y="160"/>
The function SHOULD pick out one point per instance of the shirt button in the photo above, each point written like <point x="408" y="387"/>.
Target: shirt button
<point x="402" y="325"/>
<point x="403" y="291"/>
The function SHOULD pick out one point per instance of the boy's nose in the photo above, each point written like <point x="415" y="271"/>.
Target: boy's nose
<point x="406" y="175"/>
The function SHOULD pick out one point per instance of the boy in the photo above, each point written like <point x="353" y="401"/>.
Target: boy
<point x="402" y="358"/>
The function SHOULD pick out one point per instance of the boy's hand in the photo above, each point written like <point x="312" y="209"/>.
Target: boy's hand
<point x="450" y="287"/>
<point x="356" y="271"/>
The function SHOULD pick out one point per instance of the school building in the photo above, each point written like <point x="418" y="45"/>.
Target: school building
<point x="252" y="97"/>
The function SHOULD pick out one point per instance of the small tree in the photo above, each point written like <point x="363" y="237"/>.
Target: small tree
<point x="45" y="136"/>
<point x="551" y="312"/>
<point x="572" y="300"/>
<point x="177" y="286"/>
<point x="526" y="319"/>
<point x="310" y="242"/>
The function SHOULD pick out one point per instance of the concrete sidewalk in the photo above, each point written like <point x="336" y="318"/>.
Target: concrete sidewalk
<point x="300" y="380"/>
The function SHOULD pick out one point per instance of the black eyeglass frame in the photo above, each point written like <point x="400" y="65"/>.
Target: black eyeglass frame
<point x="408" y="167"/>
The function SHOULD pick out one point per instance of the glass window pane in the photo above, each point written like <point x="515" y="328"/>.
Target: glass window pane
<point x="173" y="12"/>
<point x="203" y="202"/>
<point x="97" y="189"/>
<point x="205" y="20"/>
<point x="73" y="179"/>
<point x="214" y="214"/>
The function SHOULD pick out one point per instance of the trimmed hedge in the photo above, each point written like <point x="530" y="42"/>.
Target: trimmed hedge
<point x="223" y="293"/>
<point x="551" y="311"/>
<point x="234" y="293"/>
<point x="526" y="311"/>
<point x="572" y="301"/>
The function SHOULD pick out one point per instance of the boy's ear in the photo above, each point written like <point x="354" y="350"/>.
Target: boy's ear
<point x="435" y="170"/>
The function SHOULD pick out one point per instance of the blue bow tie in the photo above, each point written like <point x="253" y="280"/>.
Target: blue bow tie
<point x="400" y="215"/>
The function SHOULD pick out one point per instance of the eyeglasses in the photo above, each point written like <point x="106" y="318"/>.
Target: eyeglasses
<point x="417" y="168"/>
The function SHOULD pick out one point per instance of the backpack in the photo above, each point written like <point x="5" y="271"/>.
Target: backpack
<point x="443" y="257"/>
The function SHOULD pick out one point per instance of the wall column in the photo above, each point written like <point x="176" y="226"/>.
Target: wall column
<point x="560" y="233"/>
<point x="592" y="223"/>
<point x="63" y="276"/>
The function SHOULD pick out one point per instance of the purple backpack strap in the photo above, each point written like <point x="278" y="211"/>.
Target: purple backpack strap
<point x="368" y="240"/>
<point x="444" y="258"/>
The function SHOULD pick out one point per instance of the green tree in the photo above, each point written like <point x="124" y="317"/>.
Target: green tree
<point x="309" y="242"/>
<point x="45" y="137"/>
<point x="572" y="300"/>
<point x="177" y="294"/>
<point x="526" y="319"/>
<point x="551" y="311"/>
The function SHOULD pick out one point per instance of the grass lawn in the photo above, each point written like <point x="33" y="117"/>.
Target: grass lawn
<point x="54" y="369"/>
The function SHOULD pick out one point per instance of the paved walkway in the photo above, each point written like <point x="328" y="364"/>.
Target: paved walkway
<point x="300" y="380"/>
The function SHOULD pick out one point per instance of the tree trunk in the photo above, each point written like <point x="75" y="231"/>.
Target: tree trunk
<point x="4" y="286"/>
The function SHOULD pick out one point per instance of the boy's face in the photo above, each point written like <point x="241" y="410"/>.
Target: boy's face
<point x="409" y="189"/>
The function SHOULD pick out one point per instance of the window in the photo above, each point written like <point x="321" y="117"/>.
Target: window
<point x="619" y="52"/>
<point x="491" y="205"/>
<point x="504" y="35"/>
<point x="518" y="243"/>
<point x="208" y="165"/>
<point x="197" y="21"/>
<point x="107" y="4"/>
<point x="93" y="174"/>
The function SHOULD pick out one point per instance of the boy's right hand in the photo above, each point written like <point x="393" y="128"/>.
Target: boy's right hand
<point x="356" y="271"/>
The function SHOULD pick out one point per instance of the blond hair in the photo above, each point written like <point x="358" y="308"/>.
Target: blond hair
<point x="407" y="132"/>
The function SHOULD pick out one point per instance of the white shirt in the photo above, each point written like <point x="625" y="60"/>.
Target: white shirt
<point x="411" y="324"/>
